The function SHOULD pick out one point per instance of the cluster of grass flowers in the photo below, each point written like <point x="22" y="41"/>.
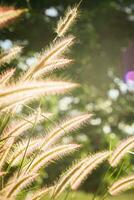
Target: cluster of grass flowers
<point x="28" y="156"/>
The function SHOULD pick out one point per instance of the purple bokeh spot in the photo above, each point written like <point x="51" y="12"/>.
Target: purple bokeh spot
<point x="129" y="76"/>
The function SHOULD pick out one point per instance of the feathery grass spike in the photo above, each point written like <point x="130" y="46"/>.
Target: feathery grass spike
<point x="66" y="178"/>
<point x="47" y="157"/>
<point x="91" y="164"/>
<point x="51" y="66"/>
<point x="7" y="14"/>
<point x="65" y="23"/>
<point x="17" y="184"/>
<point x="121" y="185"/>
<point x="29" y="90"/>
<point x="121" y="150"/>
<point x="64" y="128"/>
<point x="40" y="193"/>
<point x="7" y="146"/>
<point x="16" y="155"/>
<point x="25" y="90"/>
<point x="16" y="129"/>
<point x="6" y="76"/>
<point x="55" y="51"/>
<point x="11" y="54"/>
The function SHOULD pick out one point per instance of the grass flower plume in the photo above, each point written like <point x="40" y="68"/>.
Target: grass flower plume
<point x="121" y="150"/>
<point x="121" y="185"/>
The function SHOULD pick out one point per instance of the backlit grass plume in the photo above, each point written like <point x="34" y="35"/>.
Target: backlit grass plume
<point x="40" y="193"/>
<point x="66" y="178"/>
<point x="47" y="157"/>
<point x="52" y="66"/>
<point x="65" y="23"/>
<point x="8" y="14"/>
<point x="16" y="155"/>
<point x="121" y="150"/>
<point x="15" y="94"/>
<point x="9" y="55"/>
<point x="17" y="184"/>
<point x="16" y="129"/>
<point x="51" y="138"/>
<point x="64" y="128"/>
<point x="76" y="175"/>
<point x="55" y="51"/>
<point x="121" y="185"/>
<point x="6" y="76"/>
<point x="91" y="164"/>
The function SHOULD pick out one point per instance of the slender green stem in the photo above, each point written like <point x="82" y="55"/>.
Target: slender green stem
<point x="67" y="194"/>
<point x="107" y="171"/>
<point x="119" y="172"/>
<point x="42" y="144"/>
<point x="35" y="122"/>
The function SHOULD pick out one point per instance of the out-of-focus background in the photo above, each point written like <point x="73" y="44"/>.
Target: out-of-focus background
<point x="103" y="64"/>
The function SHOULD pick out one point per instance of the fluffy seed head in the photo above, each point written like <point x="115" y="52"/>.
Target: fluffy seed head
<point x="17" y="154"/>
<point x="54" y="153"/>
<point x="29" y="90"/>
<point x="121" y="150"/>
<point x="64" y="128"/>
<point x="65" y="23"/>
<point x="91" y="164"/>
<point x="16" y="129"/>
<point x="66" y="178"/>
<point x="17" y="184"/>
<point x="7" y="14"/>
<point x="11" y="54"/>
<point x="5" y="77"/>
<point x="121" y="185"/>
<point x="51" y="66"/>
<point x="40" y="193"/>
<point x="55" y="51"/>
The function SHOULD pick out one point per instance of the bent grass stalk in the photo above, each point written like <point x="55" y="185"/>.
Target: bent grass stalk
<point x="28" y="142"/>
